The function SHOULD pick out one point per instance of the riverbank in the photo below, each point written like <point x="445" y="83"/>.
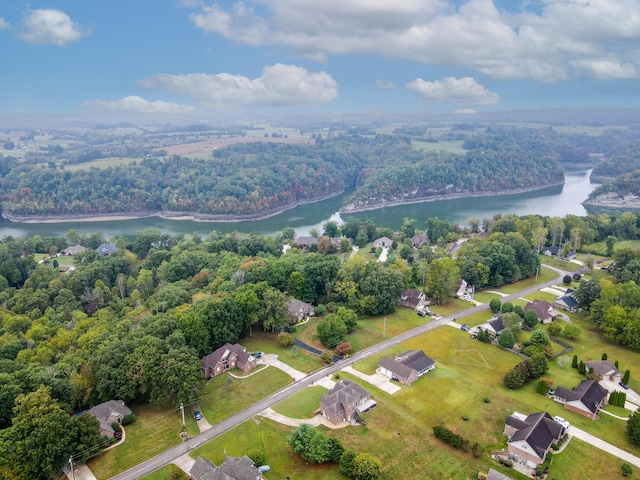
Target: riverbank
<point x="166" y="215"/>
<point x="347" y="209"/>
<point x="614" y="201"/>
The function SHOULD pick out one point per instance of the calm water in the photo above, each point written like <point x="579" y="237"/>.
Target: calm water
<point x="553" y="201"/>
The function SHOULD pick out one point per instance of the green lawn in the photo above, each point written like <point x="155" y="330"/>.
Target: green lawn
<point x="549" y="297"/>
<point x="156" y="429"/>
<point x="544" y="275"/>
<point x="214" y="398"/>
<point x="453" y="306"/>
<point x="302" y="404"/>
<point x="620" y="411"/>
<point x="579" y="461"/>
<point x="562" y="264"/>
<point x="168" y="472"/>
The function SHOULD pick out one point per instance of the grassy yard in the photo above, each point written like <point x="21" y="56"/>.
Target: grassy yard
<point x="562" y="264"/>
<point x="549" y="297"/>
<point x="579" y="461"/>
<point x="244" y="391"/>
<point x="168" y="472"/>
<point x="620" y="411"/>
<point x="302" y="404"/>
<point x="156" y="429"/>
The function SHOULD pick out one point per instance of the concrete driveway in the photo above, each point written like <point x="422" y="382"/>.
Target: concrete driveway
<point x="602" y="445"/>
<point x="632" y="397"/>
<point x="377" y="380"/>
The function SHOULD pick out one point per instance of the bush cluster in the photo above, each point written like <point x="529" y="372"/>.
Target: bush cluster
<point x="447" y="436"/>
<point x="526" y="370"/>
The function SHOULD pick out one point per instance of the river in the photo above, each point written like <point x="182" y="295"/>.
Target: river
<point x="553" y="201"/>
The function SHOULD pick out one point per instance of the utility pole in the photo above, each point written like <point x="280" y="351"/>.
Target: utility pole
<point x="182" y="412"/>
<point x="73" y="477"/>
<point x="384" y="328"/>
<point x="537" y="270"/>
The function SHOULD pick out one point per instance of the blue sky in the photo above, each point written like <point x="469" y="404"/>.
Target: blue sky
<point x="198" y="57"/>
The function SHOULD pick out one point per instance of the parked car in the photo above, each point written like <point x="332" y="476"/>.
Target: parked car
<point x="562" y="421"/>
<point x="464" y="327"/>
<point x="623" y="385"/>
<point x="422" y="313"/>
<point x="257" y="354"/>
<point x="197" y="415"/>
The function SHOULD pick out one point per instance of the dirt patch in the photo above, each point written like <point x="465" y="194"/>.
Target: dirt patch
<point x="223" y="142"/>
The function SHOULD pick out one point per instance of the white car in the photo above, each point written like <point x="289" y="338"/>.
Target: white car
<point x="562" y="421"/>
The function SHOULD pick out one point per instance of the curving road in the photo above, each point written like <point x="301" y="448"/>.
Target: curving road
<point x="190" y="444"/>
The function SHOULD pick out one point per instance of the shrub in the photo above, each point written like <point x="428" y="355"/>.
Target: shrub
<point x="486" y="400"/>
<point x="367" y="467"/>
<point x="604" y="356"/>
<point x="448" y="436"/>
<point x="484" y="336"/>
<point x="285" y="339"/>
<point x="495" y="305"/>
<point x="541" y="389"/>
<point x="567" y="279"/>
<point x="320" y="310"/>
<point x="574" y="362"/>
<point x="326" y="358"/>
<point x="465" y="418"/>
<point x="626" y="469"/>
<point x="572" y="332"/>
<point x="507" y="307"/>
<point x="506" y="462"/>
<point x="626" y="376"/>
<point x="555" y="329"/>
<point x="257" y="456"/>
<point x="343" y="348"/>
<point x="346" y="462"/>
<point x="530" y="318"/>
<point x="129" y="419"/>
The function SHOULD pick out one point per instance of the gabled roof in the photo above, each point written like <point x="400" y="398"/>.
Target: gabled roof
<point x="567" y="300"/>
<point x="496" y="324"/>
<point x="73" y="250"/>
<point x="108" y="413"/>
<point x="107" y="249"/>
<point x="419" y="240"/>
<point x="542" y="308"/>
<point x="602" y="367"/>
<point x="588" y="392"/>
<point x="224" y="352"/>
<point x="343" y="393"/>
<point x="539" y="430"/>
<point x="306" y="240"/>
<point x="240" y="468"/>
<point x="415" y="359"/>
<point x="297" y="306"/>
<point x="411" y="298"/>
<point x="496" y="475"/>
<point x="383" y="240"/>
<point x="398" y="369"/>
<point x="553" y="250"/>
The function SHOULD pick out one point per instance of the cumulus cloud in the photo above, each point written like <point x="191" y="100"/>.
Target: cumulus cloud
<point x="547" y="41"/>
<point x="279" y="85"/>
<point x="135" y="104"/>
<point x="464" y="91"/>
<point x="385" y="85"/>
<point x="51" y="27"/>
<point x="4" y="25"/>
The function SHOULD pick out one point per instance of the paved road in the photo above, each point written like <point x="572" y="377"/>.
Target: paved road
<point x="190" y="444"/>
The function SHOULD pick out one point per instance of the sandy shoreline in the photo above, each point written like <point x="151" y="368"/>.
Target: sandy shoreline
<point x="347" y="209"/>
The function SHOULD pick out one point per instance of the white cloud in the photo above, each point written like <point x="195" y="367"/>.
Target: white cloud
<point x="50" y="26"/>
<point x="464" y="111"/>
<point x="385" y="85"/>
<point x="544" y="44"/>
<point x="4" y="25"/>
<point x="605" y="69"/>
<point x="464" y="91"/>
<point x="135" y="104"/>
<point x="279" y="85"/>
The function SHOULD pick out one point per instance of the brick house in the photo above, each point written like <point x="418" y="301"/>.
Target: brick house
<point x="406" y="367"/>
<point x="225" y="358"/>
<point x="344" y="401"/>
<point x="587" y="398"/>
<point x="530" y="437"/>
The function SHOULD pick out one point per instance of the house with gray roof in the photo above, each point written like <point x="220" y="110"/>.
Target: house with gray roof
<point x="344" y="401"/>
<point x="604" y="369"/>
<point x="406" y="367"/>
<point x="494" y="326"/>
<point x="107" y="249"/>
<point x="414" y="299"/>
<point x="587" y="398"/>
<point x="305" y="241"/>
<point x="225" y="358"/>
<point x="299" y="310"/>
<point x="530" y="437"/>
<point x="566" y="302"/>
<point x="110" y="412"/>
<point x="233" y="468"/>
<point x="419" y="240"/>
<point x="496" y="475"/>
<point x="383" y="242"/>
<point x="73" y="250"/>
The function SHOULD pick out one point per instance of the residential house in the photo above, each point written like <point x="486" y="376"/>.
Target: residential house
<point x="419" y="240"/>
<point x="383" y="242"/>
<point x="227" y="357"/>
<point x="551" y="251"/>
<point x="305" y="241"/>
<point x="493" y="326"/>
<point x="414" y="299"/>
<point x="587" y="398"/>
<point x="110" y="412"/>
<point x="604" y="369"/>
<point x="69" y="251"/>
<point x="233" y="468"/>
<point x="406" y="367"/>
<point x="567" y="302"/>
<point x="107" y="249"/>
<point x="335" y="241"/>
<point x="299" y="310"/>
<point x="531" y="437"/>
<point x="545" y="312"/>
<point x="344" y="401"/>
<point x="496" y="475"/>
<point x="463" y="288"/>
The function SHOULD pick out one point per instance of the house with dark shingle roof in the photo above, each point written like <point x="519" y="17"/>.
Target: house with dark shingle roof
<point x="344" y="401"/>
<point x="406" y="367"/>
<point x="587" y="398"/>
<point x="419" y="240"/>
<point x="604" y="369"/>
<point x="110" y="412"/>
<point x="545" y="312"/>
<point x="73" y="250"/>
<point x="225" y="358"/>
<point x="233" y="468"/>
<point x="566" y="302"/>
<point x="494" y="326"/>
<point x="551" y="251"/>
<point x="531" y="437"/>
<point x="414" y="299"/>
